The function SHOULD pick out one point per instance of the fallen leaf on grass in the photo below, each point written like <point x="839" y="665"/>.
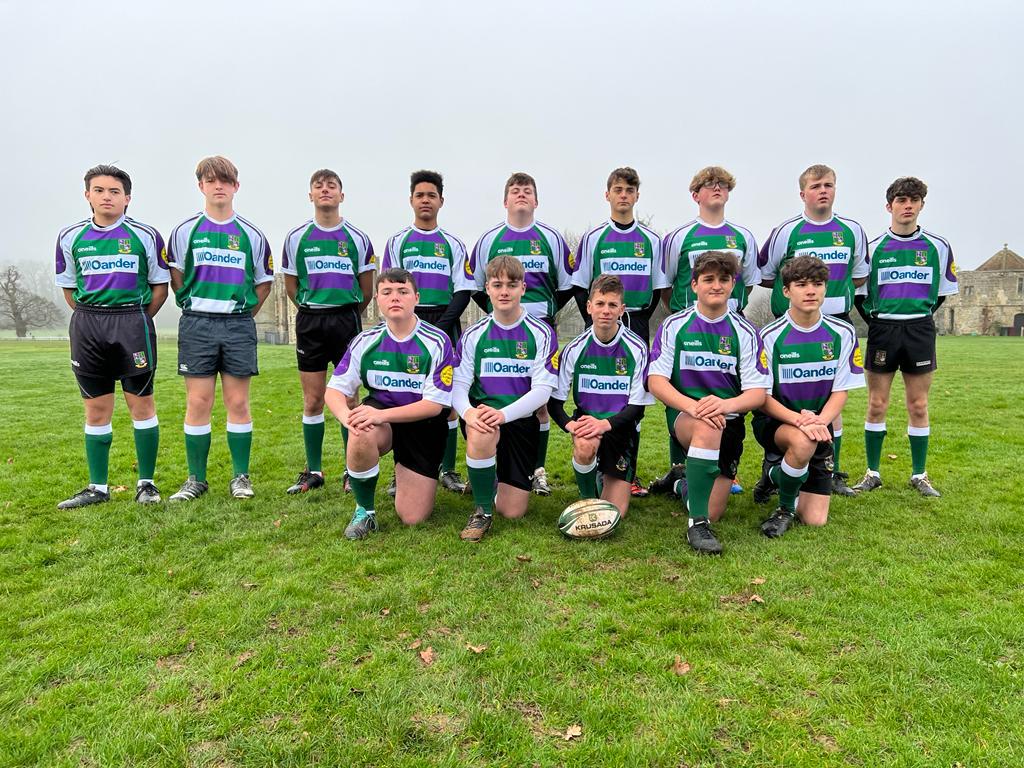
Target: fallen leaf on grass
<point x="403" y="635"/>
<point x="414" y="645"/>
<point x="757" y="599"/>
<point x="757" y="581"/>
<point x="170" y="571"/>
<point x="10" y="459"/>
<point x="277" y="523"/>
<point x="827" y="743"/>
<point x="535" y="583"/>
<point x="681" y="667"/>
<point x="676" y="514"/>
<point x="726" y="702"/>
<point x="574" y="731"/>
<point x="356" y="692"/>
<point x="385" y="612"/>
<point x="523" y="558"/>
<point x="244" y="658"/>
<point x="427" y="656"/>
<point x="672" y="577"/>
<point x="119" y="488"/>
<point x="361" y="658"/>
<point x="892" y="456"/>
<point x="476" y="648"/>
<point x="250" y="585"/>
<point x="423" y="607"/>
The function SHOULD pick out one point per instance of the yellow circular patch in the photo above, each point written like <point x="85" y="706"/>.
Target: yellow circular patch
<point x="447" y="373"/>
<point x="468" y="268"/>
<point x="858" y="357"/>
<point x="952" y="268"/>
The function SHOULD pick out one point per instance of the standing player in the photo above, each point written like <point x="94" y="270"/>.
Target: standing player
<point x="506" y="369"/>
<point x="437" y="261"/>
<point x="221" y="274"/>
<point x="710" y="231"/>
<point x="623" y="247"/>
<point x="912" y="271"/>
<point x="814" y="361"/>
<point x="708" y="367"/>
<point x="328" y="269"/>
<point x="842" y="245"/>
<point x="548" y="267"/>
<point x="406" y="364"/>
<point x="603" y="368"/>
<point x="114" y="277"/>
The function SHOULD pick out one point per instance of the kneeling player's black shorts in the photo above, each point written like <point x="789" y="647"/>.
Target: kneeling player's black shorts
<point x="323" y="335"/>
<point x="908" y="345"/>
<point x="111" y="344"/>
<point x="616" y="457"/>
<point x="210" y="343"/>
<point x="517" y="451"/>
<point x="418" y="445"/>
<point x="731" y="449"/>
<point x="639" y="322"/>
<point x="433" y="314"/>
<point x="819" y="471"/>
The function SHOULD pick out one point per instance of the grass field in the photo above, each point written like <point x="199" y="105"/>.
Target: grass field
<point x="228" y="633"/>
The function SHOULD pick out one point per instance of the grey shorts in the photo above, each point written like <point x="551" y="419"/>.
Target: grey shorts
<point x="209" y="344"/>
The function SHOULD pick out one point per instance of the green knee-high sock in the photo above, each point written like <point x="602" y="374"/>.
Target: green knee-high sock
<point x="874" y="436"/>
<point x="789" y="480"/>
<point x="918" y="448"/>
<point x="586" y="479"/>
<point x="147" y="443"/>
<point x="701" y="473"/>
<point x="197" y="450"/>
<point x="450" y="448"/>
<point x="364" y="486"/>
<point x="313" y="440"/>
<point x="676" y="454"/>
<point x="240" y="446"/>
<point x="97" y="452"/>
<point x="837" y="443"/>
<point x="483" y="477"/>
<point x="344" y="436"/>
<point x="542" y="445"/>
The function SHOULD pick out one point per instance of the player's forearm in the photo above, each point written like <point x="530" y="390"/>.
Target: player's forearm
<point x="767" y="282"/>
<point x="159" y="291"/>
<point x="859" y="281"/>
<point x="562" y="298"/>
<point x="631" y="413"/>
<point x="748" y="401"/>
<point x="527" y="404"/>
<point x="778" y="411"/>
<point x="418" y="411"/>
<point x="666" y="295"/>
<point x="662" y="389"/>
<point x="291" y="287"/>
<point x="556" y="409"/>
<point x="366" y="286"/>
<point x="460" y="399"/>
<point x="69" y="297"/>
<point x="580" y="294"/>
<point x="337" y="402"/>
<point x="176" y="279"/>
<point x="262" y="291"/>
<point x="458" y="304"/>
<point x="480" y="298"/>
<point x="834" y="406"/>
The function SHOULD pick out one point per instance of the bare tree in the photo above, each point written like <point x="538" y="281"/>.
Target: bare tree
<point x="20" y="308"/>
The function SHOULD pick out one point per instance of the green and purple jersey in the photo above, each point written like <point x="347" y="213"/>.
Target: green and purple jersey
<point x="436" y="259"/>
<point x="545" y="258"/>
<point x="722" y="357"/>
<point x="111" y="266"/>
<point x="397" y="371"/>
<point x="633" y="255"/>
<point x="497" y="364"/>
<point x="327" y="263"/>
<point x="908" y="275"/>
<point x="808" y="364"/>
<point x="603" y="378"/>
<point x="221" y="263"/>
<point x="839" y="242"/>
<point x="683" y="245"/>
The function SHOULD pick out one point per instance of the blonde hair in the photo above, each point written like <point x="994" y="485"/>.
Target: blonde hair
<point x="711" y="174"/>
<point x="815" y="172"/>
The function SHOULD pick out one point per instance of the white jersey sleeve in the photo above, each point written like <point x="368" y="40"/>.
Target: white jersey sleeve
<point x="345" y="378"/>
<point x="65" y="271"/>
<point x="753" y="359"/>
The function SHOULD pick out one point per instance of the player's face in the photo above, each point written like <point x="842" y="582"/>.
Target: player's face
<point x="425" y="201"/>
<point x="106" y="197"/>
<point x="713" y="289"/>
<point x="521" y="199"/>
<point x="713" y="194"/>
<point x="505" y="293"/>
<point x="805" y="295"/>
<point x="905" y="210"/>
<point x="396" y="301"/>
<point x="622" y="197"/>
<point x="819" y="194"/>
<point x="326" y="193"/>
<point x="605" y="309"/>
<point x="218" y="192"/>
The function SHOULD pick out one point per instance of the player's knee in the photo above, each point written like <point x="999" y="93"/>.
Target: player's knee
<point x="918" y="407"/>
<point x="312" y="405"/>
<point x="584" y="450"/>
<point x="412" y="516"/>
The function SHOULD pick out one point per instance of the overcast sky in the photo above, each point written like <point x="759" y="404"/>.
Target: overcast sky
<point x="564" y="90"/>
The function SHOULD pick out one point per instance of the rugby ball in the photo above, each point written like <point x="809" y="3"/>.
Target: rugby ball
<point x="589" y="519"/>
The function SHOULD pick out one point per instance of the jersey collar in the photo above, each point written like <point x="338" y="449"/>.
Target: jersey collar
<point x="322" y="228"/>
<point x="614" y="340"/>
<point x="802" y="329"/>
<point x="522" y="316"/>
<point x="616" y="228"/>
<point x="113" y="226"/>
<point x="707" y="319"/>
<point x="210" y="218"/>
<point x="809" y="220"/>
<point x="906" y="238"/>
<point x="433" y="231"/>
<point x="527" y="228"/>
<point x="412" y="333"/>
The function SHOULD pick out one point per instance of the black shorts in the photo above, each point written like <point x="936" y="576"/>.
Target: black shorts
<point x="418" y="445"/>
<point x="908" y="345"/>
<point x="210" y="343"/>
<point x="618" y="452"/>
<point x="819" y="471"/>
<point x="111" y="344"/>
<point x="433" y="314"/>
<point x="323" y="335"/>
<point x="844" y="316"/>
<point x="517" y="452"/>
<point x="639" y="322"/>
<point x="731" y="449"/>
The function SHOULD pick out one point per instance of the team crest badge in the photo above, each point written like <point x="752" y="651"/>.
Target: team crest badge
<point x="827" y="350"/>
<point x="535" y="247"/>
<point x="725" y="345"/>
<point x="343" y="249"/>
<point x="920" y="258"/>
<point x="439" y="250"/>
<point x="447" y="374"/>
<point x="124" y="246"/>
<point x="639" y="250"/>
<point x="730" y="241"/>
<point x="620" y="366"/>
<point x="234" y="243"/>
<point x="412" y="363"/>
<point x="139" y="358"/>
<point x="521" y="350"/>
<point x="879" y="357"/>
<point x="837" y="238"/>
<point x="622" y="465"/>
<point x="830" y="463"/>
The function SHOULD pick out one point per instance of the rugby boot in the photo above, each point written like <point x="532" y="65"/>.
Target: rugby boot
<point x="84" y="498"/>
<point x="923" y="486"/>
<point x="147" y="493"/>
<point x="306" y="481"/>
<point x="702" y="539"/>
<point x="778" y="523"/>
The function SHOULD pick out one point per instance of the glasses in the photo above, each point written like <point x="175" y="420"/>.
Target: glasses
<point x="715" y="185"/>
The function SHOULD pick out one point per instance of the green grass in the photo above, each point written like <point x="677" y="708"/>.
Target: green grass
<point x="250" y="633"/>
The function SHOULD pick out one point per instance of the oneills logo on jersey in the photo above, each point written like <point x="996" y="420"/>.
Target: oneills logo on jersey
<point x="124" y="246"/>
<point x="139" y="358"/>
<point x="837" y="238"/>
<point x="639" y="249"/>
<point x="342" y="249"/>
<point x="521" y="350"/>
<point x="535" y="247"/>
<point x="827" y="350"/>
<point x="920" y="258"/>
<point x="730" y="241"/>
<point x="724" y="345"/>
<point x="447" y="374"/>
<point x="620" y="366"/>
<point x="234" y="243"/>
<point x="439" y="250"/>
<point x="412" y="363"/>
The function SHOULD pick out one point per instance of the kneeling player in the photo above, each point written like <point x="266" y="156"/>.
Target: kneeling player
<point x="708" y="367"/>
<point x="814" y="359"/>
<point x="506" y="370"/>
<point x="604" y="369"/>
<point x="406" y="364"/>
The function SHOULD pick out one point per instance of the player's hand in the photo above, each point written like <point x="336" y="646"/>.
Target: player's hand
<point x="492" y="417"/>
<point x="710" y="405"/>
<point x="571" y="427"/>
<point x="472" y="417"/>
<point x="364" y="418"/>
<point x="589" y="427"/>
<point x="809" y="417"/>
<point x="818" y="432"/>
<point x="717" y="421"/>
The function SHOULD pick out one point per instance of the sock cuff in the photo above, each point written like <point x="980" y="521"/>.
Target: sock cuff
<point x="318" y="419"/>
<point x="453" y="424"/>
<point x="239" y="428"/>
<point x="919" y="431"/>
<point x="708" y="454"/>
<point x="481" y="463"/>
<point x="198" y="429"/>
<point x="837" y="432"/>
<point x="366" y="474"/>
<point x="99" y="429"/>
<point x="584" y="468"/>
<point x="545" y="426"/>
<point x="146" y="423"/>
<point x="870" y="426"/>
<point x="791" y="470"/>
